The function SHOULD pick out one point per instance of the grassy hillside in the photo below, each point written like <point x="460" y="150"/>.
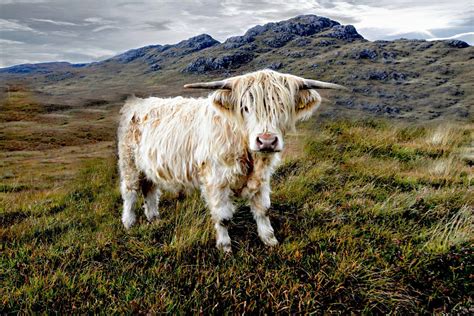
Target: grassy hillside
<point x="371" y="216"/>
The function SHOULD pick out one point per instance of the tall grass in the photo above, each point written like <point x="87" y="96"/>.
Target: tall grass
<point x="365" y="225"/>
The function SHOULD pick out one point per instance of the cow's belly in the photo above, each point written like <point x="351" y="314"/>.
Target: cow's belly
<point x="170" y="178"/>
<point x="186" y="175"/>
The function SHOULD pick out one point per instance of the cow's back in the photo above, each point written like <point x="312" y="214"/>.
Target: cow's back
<point x="172" y="140"/>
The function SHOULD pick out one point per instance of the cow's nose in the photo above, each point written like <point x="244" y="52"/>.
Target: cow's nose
<point x="267" y="142"/>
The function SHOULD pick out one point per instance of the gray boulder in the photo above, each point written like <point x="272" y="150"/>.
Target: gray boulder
<point x="203" y="64"/>
<point x="457" y="44"/>
<point x="344" y="32"/>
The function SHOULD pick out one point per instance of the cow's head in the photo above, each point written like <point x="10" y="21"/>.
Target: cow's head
<point x="266" y="103"/>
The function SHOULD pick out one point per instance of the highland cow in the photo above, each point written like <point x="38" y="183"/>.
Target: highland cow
<point x="227" y="144"/>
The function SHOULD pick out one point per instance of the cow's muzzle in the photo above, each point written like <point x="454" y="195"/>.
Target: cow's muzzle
<point x="267" y="142"/>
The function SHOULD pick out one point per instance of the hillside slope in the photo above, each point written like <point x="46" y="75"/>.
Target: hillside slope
<point x="410" y="79"/>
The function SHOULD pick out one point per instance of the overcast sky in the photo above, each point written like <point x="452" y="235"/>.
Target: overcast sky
<point x="89" y="30"/>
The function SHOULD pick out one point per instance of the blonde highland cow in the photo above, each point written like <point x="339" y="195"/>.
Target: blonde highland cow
<point x="227" y="144"/>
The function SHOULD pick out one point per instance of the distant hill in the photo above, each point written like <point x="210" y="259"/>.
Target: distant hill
<point x="407" y="79"/>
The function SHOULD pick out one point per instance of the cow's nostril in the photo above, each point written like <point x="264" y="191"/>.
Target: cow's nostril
<point x="267" y="142"/>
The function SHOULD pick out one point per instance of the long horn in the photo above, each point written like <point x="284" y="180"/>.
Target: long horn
<point x="315" y="84"/>
<point x="210" y="85"/>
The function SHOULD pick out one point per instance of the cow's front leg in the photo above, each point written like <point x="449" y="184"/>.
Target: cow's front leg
<point x="259" y="204"/>
<point x="219" y="202"/>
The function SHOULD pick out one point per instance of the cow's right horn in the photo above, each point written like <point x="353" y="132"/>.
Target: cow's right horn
<point x="209" y="85"/>
<point x="315" y="84"/>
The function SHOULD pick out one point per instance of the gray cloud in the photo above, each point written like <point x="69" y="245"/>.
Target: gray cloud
<point x="88" y="30"/>
<point x="54" y="22"/>
<point x="159" y="25"/>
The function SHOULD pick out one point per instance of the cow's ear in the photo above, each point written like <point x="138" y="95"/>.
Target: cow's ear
<point x="307" y="101"/>
<point x="223" y="100"/>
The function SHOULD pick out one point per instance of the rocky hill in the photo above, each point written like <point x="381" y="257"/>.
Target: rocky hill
<point x="408" y="79"/>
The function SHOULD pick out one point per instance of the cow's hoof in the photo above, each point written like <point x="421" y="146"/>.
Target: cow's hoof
<point x="153" y="221"/>
<point x="128" y="221"/>
<point x="152" y="216"/>
<point x="270" y="241"/>
<point x="226" y="248"/>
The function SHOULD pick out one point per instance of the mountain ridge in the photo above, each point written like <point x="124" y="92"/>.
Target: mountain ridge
<point x="303" y="25"/>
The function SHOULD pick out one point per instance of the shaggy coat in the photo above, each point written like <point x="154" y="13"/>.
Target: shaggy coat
<point x="218" y="144"/>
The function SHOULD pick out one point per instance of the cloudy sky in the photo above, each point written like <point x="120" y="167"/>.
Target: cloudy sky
<point x="89" y="30"/>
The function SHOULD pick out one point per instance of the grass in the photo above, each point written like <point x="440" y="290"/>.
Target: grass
<point x="367" y="223"/>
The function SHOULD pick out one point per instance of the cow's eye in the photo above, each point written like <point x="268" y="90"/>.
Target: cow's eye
<point x="246" y="109"/>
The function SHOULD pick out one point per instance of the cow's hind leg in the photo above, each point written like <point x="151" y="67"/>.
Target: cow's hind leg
<point x="222" y="210"/>
<point x="129" y="186"/>
<point x="152" y="197"/>
<point x="129" y="196"/>
<point x="259" y="204"/>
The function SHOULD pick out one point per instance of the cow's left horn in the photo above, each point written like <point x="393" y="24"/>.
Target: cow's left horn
<point x="210" y="85"/>
<point x="315" y="84"/>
